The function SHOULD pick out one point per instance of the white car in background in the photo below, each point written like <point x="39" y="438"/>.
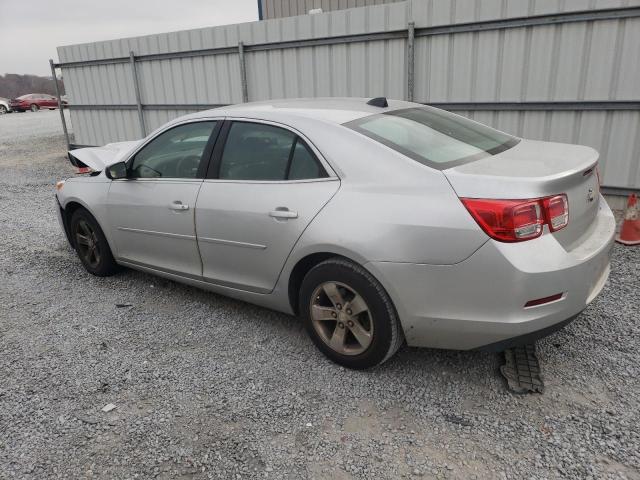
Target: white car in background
<point x="4" y="106"/>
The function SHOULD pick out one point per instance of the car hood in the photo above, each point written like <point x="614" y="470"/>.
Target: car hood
<point x="98" y="158"/>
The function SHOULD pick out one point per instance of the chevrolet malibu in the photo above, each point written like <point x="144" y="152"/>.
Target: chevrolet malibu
<point x="377" y="222"/>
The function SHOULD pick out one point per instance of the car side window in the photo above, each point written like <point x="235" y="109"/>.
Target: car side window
<point x="256" y="151"/>
<point x="176" y="153"/>
<point x="304" y="164"/>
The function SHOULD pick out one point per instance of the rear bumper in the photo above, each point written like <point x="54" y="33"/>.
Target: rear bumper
<point x="527" y="338"/>
<point x="480" y="302"/>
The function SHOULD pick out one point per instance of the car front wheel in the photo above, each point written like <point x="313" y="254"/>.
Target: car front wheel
<point x="3" y="109"/>
<point x="34" y="108"/>
<point x="91" y="244"/>
<point x="348" y="314"/>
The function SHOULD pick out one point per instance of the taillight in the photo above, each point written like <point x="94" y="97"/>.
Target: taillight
<point x="518" y="220"/>
<point x="507" y="220"/>
<point x="557" y="210"/>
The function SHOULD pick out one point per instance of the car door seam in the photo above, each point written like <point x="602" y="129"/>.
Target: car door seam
<point x="302" y="233"/>
<point x="195" y="228"/>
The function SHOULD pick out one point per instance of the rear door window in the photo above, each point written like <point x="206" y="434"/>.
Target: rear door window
<point x="257" y="151"/>
<point x="304" y="164"/>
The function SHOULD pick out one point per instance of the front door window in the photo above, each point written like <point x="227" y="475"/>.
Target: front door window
<point x="176" y="153"/>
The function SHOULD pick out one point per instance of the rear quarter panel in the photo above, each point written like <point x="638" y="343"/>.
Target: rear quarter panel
<point x="389" y="207"/>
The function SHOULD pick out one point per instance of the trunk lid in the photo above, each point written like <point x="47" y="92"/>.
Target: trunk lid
<point x="97" y="158"/>
<point x="534" y="169"/>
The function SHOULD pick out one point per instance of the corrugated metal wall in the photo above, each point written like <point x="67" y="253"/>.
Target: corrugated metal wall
<point x="289" y="8"/>
<point x="491" y="71"/>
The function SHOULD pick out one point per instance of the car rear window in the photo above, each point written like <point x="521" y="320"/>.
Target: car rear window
<point x="434" y="137"/>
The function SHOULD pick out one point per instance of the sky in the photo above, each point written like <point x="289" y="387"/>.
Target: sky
<point x="30" y="30"/>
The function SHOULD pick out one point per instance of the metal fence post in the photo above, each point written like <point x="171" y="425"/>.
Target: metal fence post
<point x="136" y="86"/>
<point x="64" y="122"/>
<point x="243" y="72"/>
<point x="410" y="59"/>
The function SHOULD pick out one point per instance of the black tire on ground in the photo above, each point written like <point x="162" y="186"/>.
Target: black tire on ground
<point x="91" y="245"/>
<point x="3" y="110"/>
<point x="34" y="107"/>
<point x="387" y="335"/>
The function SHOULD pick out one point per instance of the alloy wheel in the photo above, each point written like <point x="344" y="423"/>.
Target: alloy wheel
<point x="341" y="318"/>
<point x="87" y="244"/>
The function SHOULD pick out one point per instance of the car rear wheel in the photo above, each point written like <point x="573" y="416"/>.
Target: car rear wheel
<point x="3" y="109"/>
<point x="91" y="245"/>
<point x="34" y="108"/>
<point x="348" y="314"/>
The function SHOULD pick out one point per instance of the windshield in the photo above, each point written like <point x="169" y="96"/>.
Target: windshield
<point x="434" y="137"/>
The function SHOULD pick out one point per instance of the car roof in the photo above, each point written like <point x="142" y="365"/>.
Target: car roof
<point x="330" y="109"/>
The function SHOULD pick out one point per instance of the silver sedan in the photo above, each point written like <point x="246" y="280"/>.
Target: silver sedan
<point x="377" y="222"/>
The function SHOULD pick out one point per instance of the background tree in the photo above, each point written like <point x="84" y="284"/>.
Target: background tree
<point x="13" y="85"/>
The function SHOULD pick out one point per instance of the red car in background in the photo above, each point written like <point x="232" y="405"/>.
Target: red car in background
<point x="33" y="102"/>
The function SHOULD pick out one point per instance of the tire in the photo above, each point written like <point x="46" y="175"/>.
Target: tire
<point x="365" y="339"/>
<point x="34" y="107"/>
<point x="3" y="110"/>
<point x="91" y="245"/>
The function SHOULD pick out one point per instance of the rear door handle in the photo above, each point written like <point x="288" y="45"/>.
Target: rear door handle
<point x="283" y="212"/>
<point x="178" y="205"/>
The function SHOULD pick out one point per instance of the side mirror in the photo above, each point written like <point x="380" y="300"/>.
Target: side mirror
<point x="117" y="171"/>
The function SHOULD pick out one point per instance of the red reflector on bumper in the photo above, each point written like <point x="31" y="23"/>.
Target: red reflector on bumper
<point x="541" y="301"/>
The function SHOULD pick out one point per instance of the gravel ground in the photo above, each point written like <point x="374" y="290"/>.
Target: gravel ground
<point x="208" y="387"/>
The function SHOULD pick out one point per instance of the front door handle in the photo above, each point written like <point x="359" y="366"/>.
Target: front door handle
<point x="178" y="205"/>
<point x="283" y="212"/>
